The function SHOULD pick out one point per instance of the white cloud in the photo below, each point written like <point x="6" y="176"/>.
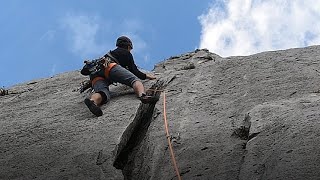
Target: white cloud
<point x="82" y="31"/>
<point x="233" y="27"/>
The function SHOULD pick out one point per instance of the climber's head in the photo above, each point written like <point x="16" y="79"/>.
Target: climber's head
<point x="124" y="42"/>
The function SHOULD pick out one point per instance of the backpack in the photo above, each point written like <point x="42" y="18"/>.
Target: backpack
<point x="92" y="67"/>
<point x="96" y="65"/>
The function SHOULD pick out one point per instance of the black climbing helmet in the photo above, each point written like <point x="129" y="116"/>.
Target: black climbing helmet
<point x="124" y="42"/>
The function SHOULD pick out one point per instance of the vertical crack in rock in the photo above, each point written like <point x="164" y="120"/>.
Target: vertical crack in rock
<point x="243" y="132"/>
<point x="135" y="132"/>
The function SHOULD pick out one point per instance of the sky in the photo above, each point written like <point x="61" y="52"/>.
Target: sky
<point x="39" y="39"/>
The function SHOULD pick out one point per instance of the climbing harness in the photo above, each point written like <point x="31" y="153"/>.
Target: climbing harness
<point x="108" y="69"/>
<point x="93" y="81"/>
<point x="107" y="62"/>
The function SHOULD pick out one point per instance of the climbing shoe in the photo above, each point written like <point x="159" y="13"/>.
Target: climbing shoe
<point x="93" y="107"/>
<point x="145" y="99"/>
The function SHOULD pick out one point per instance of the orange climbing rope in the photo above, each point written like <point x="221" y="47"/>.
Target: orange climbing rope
<point x="169" y="137"/>
<point x="167" y="132"/>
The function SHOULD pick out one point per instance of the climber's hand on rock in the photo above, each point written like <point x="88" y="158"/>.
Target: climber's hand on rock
<point x="150" y="76"/>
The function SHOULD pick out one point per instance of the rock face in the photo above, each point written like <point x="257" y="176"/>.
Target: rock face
<point x="248" y="117"/>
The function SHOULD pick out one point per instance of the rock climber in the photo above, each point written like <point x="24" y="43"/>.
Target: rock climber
<point x="118" y="66"/>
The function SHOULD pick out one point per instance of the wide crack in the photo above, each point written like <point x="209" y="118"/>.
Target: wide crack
<point x="243" y="133"/>
<point x="136" y="131"/>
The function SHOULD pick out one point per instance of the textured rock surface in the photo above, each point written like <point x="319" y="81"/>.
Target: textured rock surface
<point x="248" y="117"/>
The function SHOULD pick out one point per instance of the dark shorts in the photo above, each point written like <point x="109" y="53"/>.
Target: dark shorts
<point x="122" y="75"/>
<point x="102" y="87"/>
<point x="117" y="74"/>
